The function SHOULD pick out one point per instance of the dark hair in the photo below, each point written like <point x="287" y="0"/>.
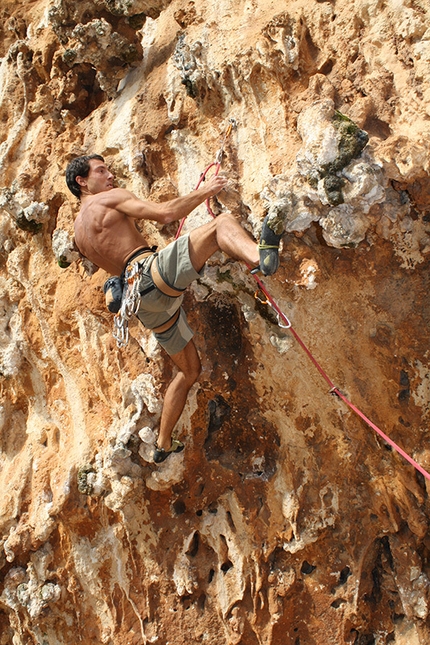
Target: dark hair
<point x="79" y="167"/>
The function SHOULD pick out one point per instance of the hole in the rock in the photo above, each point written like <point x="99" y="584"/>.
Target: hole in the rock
<point x="226" y="566"/>
<point x="307" y="568"/>
<point x="337" y="603"/>
<point x="201" y="601"/>
<point x="230" y="522"/>
<point x="179" y="507"/>
<point x="344" y="575"/>
<point x="194" y="546"/>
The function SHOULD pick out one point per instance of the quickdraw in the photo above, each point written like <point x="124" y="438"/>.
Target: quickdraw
<point x="283" y="321"/>
<point x="215" y="164"/>
<point x="129" y="306"/>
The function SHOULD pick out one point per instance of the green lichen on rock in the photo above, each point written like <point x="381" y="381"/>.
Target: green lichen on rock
<point x="278" y="211"/>
<point x="63" y="263"/>
<point x="117" y="8"/>
<point x="190" y="87"/>
<point x="276" y="221"/>
<point x="333" y="185"/>
<point x="84" y="486"/>
<point x="130" y="53"/>
<point x="352" y="141"/>
<point x="69" y="56"/>
<point x="225" y="276"/>
<point x="31" y="226"/>
<point x="313" y="178"/>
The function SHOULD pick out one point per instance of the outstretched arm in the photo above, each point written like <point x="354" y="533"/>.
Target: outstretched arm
<point x="165" y="212"/>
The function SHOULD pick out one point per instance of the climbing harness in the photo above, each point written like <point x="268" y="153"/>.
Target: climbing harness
<point x="286" y="324"/>
<point x="131" y="296"/>
<point x="168" y="324"/>
<point x="161" y="283"/>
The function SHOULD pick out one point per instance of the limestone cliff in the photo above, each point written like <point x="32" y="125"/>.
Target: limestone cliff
<point x="285" y="521"/>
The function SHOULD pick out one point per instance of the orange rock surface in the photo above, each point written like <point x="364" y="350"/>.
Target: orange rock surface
<point x="286" y="520"/>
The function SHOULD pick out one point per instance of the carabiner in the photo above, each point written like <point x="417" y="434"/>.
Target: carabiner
<point x="280" y="314"/>
<point x="257" y="297"/>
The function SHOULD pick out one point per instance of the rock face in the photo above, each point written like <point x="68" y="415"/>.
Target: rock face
<point x="286" y="520"/>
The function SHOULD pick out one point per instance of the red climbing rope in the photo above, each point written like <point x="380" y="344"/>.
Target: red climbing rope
<point x="287" y="325"/>
<point x="215" y="164"/>
<point x="333" y="388"/>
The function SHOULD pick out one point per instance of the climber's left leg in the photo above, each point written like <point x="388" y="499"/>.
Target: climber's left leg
<point x="189" y="367"/>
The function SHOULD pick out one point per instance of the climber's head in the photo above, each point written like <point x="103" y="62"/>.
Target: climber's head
<point x="90" y="173"/>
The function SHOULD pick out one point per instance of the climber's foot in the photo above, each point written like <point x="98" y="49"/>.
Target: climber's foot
<point x="269" y="249"/>
<point x="160" y="454"/>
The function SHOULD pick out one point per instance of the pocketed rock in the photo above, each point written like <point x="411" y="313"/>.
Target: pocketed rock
<point x="330" y="163"/>
<point x="285" y="519"/>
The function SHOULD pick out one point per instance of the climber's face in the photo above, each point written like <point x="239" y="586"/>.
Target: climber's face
<point x="98" y="179"/>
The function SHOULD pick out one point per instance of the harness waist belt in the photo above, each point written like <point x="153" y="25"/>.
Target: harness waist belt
<point x="161" y="284"/>
<point x="168" y="324"/>
<point x="156" y="276"/>
<point x="140" y="255"/>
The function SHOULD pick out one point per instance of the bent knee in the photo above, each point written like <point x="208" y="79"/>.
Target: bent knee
<point x="192" y="373"/>
<point x="195" y="373"/>
<point x="224" y="217"/>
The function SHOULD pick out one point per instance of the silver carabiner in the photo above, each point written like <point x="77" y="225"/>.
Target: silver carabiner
<point x="279" y="320"/>
<point x="122" y="337"/>
<point x="120" y="331"/>
<point x="218" y="157"/>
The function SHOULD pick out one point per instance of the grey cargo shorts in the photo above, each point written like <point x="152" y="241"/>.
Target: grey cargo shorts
<point x="156" y="308"/>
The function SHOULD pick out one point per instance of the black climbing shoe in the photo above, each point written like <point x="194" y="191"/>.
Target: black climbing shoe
<point x="160" y="454"/>
<point x="268" y="248"/>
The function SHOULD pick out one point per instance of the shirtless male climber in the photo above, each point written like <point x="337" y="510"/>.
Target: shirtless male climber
<point x="106" y="234"/>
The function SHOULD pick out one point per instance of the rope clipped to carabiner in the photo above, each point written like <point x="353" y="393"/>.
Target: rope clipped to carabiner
<point x="232" y="123"/>
<point x="283" y="321"/>
<point x="215" y="164"/>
